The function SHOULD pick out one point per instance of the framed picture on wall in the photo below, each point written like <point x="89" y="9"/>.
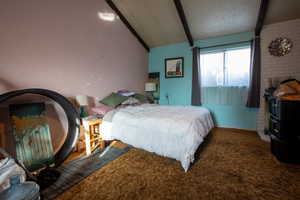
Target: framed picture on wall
<point x="174" y="67"/>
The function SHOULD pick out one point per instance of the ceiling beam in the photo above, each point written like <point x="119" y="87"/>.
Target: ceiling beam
<point x="261" y="16"/>
<point x="181" y="14"/>
<point x="127" y="24"/>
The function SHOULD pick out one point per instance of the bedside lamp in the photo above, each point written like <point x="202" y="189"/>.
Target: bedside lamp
<point x="149" y="89"/>
<point x="82" y="101"/>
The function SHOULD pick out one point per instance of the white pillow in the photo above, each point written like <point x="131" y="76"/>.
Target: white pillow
<point x="131" y="100"/>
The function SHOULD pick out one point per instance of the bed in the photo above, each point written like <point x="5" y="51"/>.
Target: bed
<point x="170" y="131"/>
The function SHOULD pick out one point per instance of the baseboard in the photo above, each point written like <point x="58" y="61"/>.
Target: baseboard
<point x="236" y="129"/>
<point x="262" y="136"/>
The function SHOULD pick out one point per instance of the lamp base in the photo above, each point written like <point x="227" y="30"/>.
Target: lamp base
<point x="82" y="112"/>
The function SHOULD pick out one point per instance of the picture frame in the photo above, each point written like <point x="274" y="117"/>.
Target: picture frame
<point x="174" y="67"/>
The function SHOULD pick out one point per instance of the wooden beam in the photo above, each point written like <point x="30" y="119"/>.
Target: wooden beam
<point x="181" y="14"/>
<point x="127" y="24"/>
<point x="261" y="16"/>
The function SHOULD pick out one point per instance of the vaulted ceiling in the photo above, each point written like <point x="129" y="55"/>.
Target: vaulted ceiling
<point x="158" y="23"/>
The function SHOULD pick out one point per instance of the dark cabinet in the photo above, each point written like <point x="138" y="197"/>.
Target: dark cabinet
<point x="284" y="128"/>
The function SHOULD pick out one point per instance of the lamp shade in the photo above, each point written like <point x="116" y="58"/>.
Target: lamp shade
<point x="82" y="100"/>
<point x="150" y="87"/>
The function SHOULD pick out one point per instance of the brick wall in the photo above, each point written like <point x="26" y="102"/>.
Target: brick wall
<point x="278" y="67"/>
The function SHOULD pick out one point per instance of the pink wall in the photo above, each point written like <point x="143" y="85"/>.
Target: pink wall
<point x="62" y="45"/>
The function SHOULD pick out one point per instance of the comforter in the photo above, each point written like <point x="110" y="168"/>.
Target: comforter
<point x="171" y="131"/>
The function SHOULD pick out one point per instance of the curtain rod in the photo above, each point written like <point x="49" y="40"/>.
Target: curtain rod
<point x="222" y="45"/>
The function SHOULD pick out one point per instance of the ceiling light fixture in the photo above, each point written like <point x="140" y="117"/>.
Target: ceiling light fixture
<point x="107" y="16"/>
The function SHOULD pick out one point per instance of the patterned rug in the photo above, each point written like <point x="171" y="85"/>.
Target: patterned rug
<point x="77" y="170"/>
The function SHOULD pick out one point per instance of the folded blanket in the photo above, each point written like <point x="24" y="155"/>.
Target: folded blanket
<point x="287" y="88"/>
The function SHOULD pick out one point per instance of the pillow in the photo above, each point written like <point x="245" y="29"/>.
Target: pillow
<point x="142" y="98"/>
<point x="101" y="109"/>
<point x="125" y="93"/>
<point x="113" y="100"/>
<point x="131" y="100"/>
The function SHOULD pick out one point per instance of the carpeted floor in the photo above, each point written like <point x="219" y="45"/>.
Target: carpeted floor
<point x="232" y="165"/>
<point x="77" y="170"/>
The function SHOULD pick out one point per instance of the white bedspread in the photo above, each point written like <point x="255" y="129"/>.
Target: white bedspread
<point x="171" y="131"/>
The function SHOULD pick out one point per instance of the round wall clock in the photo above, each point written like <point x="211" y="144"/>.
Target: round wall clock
<point x="280" y="46"/>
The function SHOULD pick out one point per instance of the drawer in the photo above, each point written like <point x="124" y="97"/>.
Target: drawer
<point x="284" y="110"/>
<point x="284" y="129"/>
<point x="274" y="125"/>
<point x="289" y="110"/>
<point x="286" y="151"/>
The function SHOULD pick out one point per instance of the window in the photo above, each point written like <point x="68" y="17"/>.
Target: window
<point x="226" y="68"/>
<point x="225" y="76"/>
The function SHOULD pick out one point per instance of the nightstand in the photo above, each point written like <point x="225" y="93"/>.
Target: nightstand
<point x="92" y="135"/>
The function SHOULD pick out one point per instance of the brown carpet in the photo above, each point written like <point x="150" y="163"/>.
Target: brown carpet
<point x="232" y="165"/>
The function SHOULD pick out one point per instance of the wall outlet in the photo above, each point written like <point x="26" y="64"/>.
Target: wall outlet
<point x="167" y="96"/>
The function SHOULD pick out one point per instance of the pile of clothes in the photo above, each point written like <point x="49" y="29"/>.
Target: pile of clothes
<point x="288" y="90"/>
<point x="13" y="185"/>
